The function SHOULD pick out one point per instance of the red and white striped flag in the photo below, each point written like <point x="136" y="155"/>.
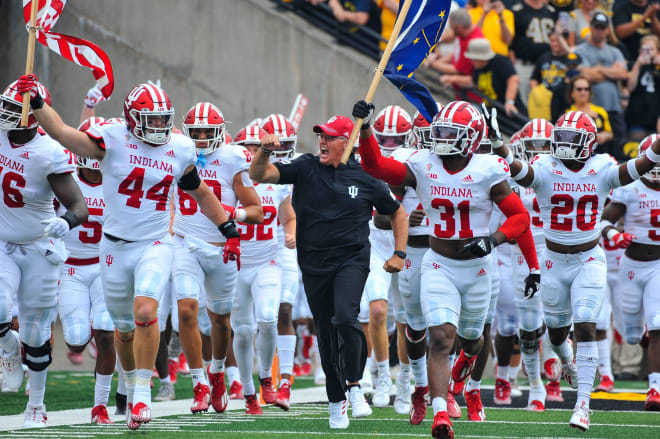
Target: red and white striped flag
<point x="82" y="52"/>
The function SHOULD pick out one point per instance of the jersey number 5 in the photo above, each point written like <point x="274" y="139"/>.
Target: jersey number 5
<point x="94" y="226"/>
<point x="655" y="222"/>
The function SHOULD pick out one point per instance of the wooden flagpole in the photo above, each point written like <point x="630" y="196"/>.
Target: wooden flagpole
<point x="29" y="62"/>
<point x="378" y="74"/>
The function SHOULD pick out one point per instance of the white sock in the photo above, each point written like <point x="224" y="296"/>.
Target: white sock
<point x="604" y="359"/>
<point x="439" y="405"/>
<point x="198" y="376"/>
<point x="121" y="378"/>
<point x="564" y="351"/>
<point x="265" y="343"/>
<point x="404" y="373"/>
<point x="586" y="360"/>
<point x="9" y="342"/>
<point x="654" y="381"/>
<point x="452" y="358"/>
<point x="167" y="379"/>
<point x="472" y="385"/>
<point x="371" y="363"/>
<point x="383" y="368"/>
<point x="503" y="372"/>
<point x="513" y="372"/>
<point x="286" y="348"/>
<point x="37" y="381"/>
<point x="102" y="389"/>
<point x="418" y="368"/>
<point x="532" y="366"/>
<point x="217" y="366"/>
<point x="245" y="359"/>
<point x="232" y="374"/>
<point x="142" y="392"/>
<point x="131" y="376"/>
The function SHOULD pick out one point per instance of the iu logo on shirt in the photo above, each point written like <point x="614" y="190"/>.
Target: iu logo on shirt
<point x="108" y="260"/>
<point x="353" y="191"/>
<point x="548" y="264"/>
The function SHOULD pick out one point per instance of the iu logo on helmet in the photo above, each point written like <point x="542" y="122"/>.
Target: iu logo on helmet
<point x="548" y="264"/>
<point x="109" y="259"/>
<point x="353" y="191"/>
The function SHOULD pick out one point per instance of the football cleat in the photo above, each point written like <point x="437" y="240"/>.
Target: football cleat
<point x="366" y="383"/>
<point x="219" y="395"/>
<point x="569" y="373"/>
<point x="140" y="414"/>
<point x="100" y="415"/>
<point x="165" y="392"/>
<point x="183" y="365"/>
<point x="453" y="409"/>
<point x="297" y="370"/>
<point x="461" y="370"/>
<point x="535" y="406"/>
<point x="475" y="408"/>
<point x="418" y="406"/>
<point x="359" y="405"/>
<point x="120" y="404"/>
<point x="284" y="396"/>
<point x="236" y="390"/>
<point x="442" y="428"/>
<point x="173" y="369"/>
<point x="319" y="376"/>
<point x="652" y="400"/>
<point x="201" y="399"/>
<point x="381" y="396"/>
<point x="267" y="390"/>
<point x="515" y="388"/>
<point x="606" y="384"/>
<point x="12" y="369"/>
<point x="502" y="395"/>
<point x="552" y="369"/>
<point x="35" y="417"/>
<point x="252" y="406"/>
<point x="536" y="399"/>
<point x="75" y="358"/>
<point x="306" y="368"/>
<point x="554" y="392"/>
<point x="402" y="397"/>
<point x="338" y="414"/>
<point x="580" y="418"/>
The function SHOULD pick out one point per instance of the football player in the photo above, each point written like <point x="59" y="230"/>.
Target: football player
<point x="140" y="160"/>
<point x="34" y="169"/>
<point x="571" y="185"/>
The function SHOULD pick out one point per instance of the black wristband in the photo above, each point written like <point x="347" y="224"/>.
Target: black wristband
<point x="70" y="218"/>
<point x="228" y="229"/>
<point x="400" y="253"/>
<point x="266" y="150"/>
<point x="493" y="242"/>
<point x="36" y="103"/>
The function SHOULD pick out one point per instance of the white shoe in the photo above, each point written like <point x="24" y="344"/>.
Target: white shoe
<point x="580" y="418"/>
<point x="515" y="389"/>
<point x="359" y="405"/>
<point x="319" y="376"/>
<point x="366" y="384"/>
<point x="338" y="414"/>
<point x="12" y="368"/>
<point x="165" y="393"/>
<point x="536" y="399"/>
<point x="402" y="398"/>
<point x="382" y="391"/>
<point x="35" y="417"/>
<point x="570" y="374"/>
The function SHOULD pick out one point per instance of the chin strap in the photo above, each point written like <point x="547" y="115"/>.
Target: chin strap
<point x="375" y="164"/>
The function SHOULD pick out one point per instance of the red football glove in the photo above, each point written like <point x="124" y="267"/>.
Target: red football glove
<point x="232" y="251"/>
<point x="28" y="84"/>
<point x="622" y="239"/>
<point x="617" y="337"/>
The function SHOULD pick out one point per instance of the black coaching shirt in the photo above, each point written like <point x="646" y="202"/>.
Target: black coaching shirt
<point x="333" y="207"/>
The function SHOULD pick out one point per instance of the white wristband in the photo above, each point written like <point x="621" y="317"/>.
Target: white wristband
<point x="240" y="215"/>
<point x="509" y="158"/>
<point x="632" y="169"/>
<point x="611" y="234"/>
<point x="523" y="172"/>
<point x="655" y="158"/>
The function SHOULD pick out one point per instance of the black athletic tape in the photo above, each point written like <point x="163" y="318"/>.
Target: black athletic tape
<point x="190" y="181"/>
<point x="41" y="351"/>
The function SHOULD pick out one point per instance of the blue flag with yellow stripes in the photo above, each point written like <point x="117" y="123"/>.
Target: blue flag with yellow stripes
<point x="419" y="35"/>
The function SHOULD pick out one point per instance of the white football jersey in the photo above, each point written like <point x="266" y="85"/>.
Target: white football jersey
<point x="259" y="241"/>
<point x="528" y="198"/>
<point x="218" y="173"/>
<point x="138" y="180"/>
<point x="410" y="199"/>
<point x="27" y="197"/>
<point x="642" y="217"/>
<point x="571" y="203"/>
<point x="457" y="204"/>
<point x="82" y="241"/>
<point x="612" y="254"/>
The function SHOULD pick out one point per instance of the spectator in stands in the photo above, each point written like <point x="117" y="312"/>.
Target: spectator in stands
<point x="496" y="23"/>
<point x="562" y="5"/>
<point x="632" y="20"/>
<point x="534" y="22"/>
<point x="494" y="75"/>
<point x="580" y="94"/>
<point x="560" y="101"/>
<point x="579" y="19"/>
<point x="357" y="12"/>
<point x="643" y="113"/>
<point x="549" y="71"/>
<point x="603" y="66"/>
<point x="389" y="9"/>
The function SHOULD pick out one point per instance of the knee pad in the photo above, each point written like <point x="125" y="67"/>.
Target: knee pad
<point x="37" y="359"/>
<point x="414" y="340"/>
<point x="4" y="328"/>
<point x="244" y="330"/>
<point x="529" y="346"/>
<point x="77" y="332"/>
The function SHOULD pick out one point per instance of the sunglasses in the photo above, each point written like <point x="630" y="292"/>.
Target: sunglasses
<point x="582" y="88"/>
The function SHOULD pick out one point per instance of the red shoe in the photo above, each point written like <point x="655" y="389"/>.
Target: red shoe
<point x="461" y="370"/>
<point x="252" y="406"/>
<point x="308" y="342"/>
<point x="201" y="399"/>
<point x="554" y="392"/>
<point x="442" y="428"/>
<point x="75" y="358"/>
<point x="267" y="391"/>
<point x="652" y="401"/>
<point x="219" y="396"/>
<point x="453" y="409"/>
<point x="100" y="415"/>
<point x="606" y="384"/>
<point x="236" y="390"/>
<point x="173" y="369"/>
<point x="474" y="406"/>
<point x="297" y="370"/>
<point x="552" y="369"/>
<point x="418" y="405"/>
<point x="502" y="395"/>
<point x="536" y="406"/>
<point x="129" y="421"/>
<point x="139" y="414"/>
<point x="284" y="396"/>
<point x="183" y="365"/>
<point x="306" y="368"/>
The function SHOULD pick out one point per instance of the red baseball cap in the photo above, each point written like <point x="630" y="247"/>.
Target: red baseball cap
<point x="336" y="126"/>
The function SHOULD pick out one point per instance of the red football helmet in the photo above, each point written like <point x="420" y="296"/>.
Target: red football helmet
<point x="574" y="137"/>
<point x="516" y="147"/>
<point x="391" y="128"/>
<point x="88" y="162"/>
<point x="149" y="114"/>
<point x="11" y="108"/>
<point x="420" y="135"/>
<point x="457" y="129"/>
<point x="283" y="128"/>
<point x="535" y="138"/>
<point x="250" y="135"/>
<point x="205" y="124"/>
<point x="654" y="174"/>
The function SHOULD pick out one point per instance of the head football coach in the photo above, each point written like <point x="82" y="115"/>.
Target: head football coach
<point x="334" y="203"/>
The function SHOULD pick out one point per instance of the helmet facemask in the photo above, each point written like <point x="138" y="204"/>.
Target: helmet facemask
<point x="390" y="142"/>
<point x="214" y="139"/>
<point x="154" y="127"/>
<point x="570" y="144"/>
<point x="10" y="114"/>
<point x="452" y="139"/>
<point x="534" y="147"/>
